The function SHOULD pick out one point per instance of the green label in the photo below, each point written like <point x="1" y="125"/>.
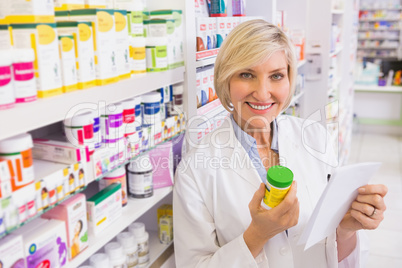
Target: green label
<point x="161" y="51"/>
<point x="136" y="17"/>
<point x="177" y="19"/>
<point x="170" y="27"/>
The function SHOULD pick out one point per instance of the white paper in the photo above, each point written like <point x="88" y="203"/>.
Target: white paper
<point x="335" y="201"/>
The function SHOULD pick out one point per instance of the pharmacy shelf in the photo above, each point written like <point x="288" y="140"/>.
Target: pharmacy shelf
<point x="205" y="62"/>
<point x="156" y="248"/>
<point x="378" y="89"/>
<point x="296" y="98"/>
<point x="30" y="116"/>
<point x="211" y="109"/>
<point x="337" y="11"/>
<point x="379" y="29"/>
<point x="376" y="9"/>
<point x="368" y="20"/>
<point x="134" y="209"/>
<point x="377" y="48"/>
<point x="301" y="63"/>
<point x="337" y="50"/>
<point x="380" y="38"/>
<point x="378" y="57"/>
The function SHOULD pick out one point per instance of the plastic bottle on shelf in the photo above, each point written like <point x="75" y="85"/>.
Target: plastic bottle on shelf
<point x="7" y="92"/>
<point x="142" y="237"/>
<point x="119" y="175"/>
<point x="152" y="104"/>
<point x="130" y="248"/>
<point x="99" y="260"/>
<point x="24" y="75"/>
<point x="116" y="256"/>
<point x="140" y="182"/>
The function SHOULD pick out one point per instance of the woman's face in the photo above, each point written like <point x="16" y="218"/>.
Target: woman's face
<point x="258" y="94"/>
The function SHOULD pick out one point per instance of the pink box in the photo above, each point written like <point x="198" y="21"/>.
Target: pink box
<point x="162" y="164"/>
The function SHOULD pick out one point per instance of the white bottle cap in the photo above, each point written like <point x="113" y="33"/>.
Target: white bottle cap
<point x="6" y="57"/>
<point x="116" y="173"/>
<point x="141" y="164"/>
<point x="127" y="240"/>
<point x="23" y="55"/>
<point x="178" y="89"/>
<point x="128" y="104"/>
<point x="16" y="144"/>
<point x="80" y="120"/>
<point x="114" y="250"/>
<point x="151" y="97"/>
<point x="115" y="108"/>
<point x="137" y="229"/>
<point x="99" y="260"/>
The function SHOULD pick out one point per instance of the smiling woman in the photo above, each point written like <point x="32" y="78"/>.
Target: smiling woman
<point x="218" y="217"/>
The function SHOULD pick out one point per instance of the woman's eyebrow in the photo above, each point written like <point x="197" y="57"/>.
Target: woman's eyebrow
<point x="279" y="69"/>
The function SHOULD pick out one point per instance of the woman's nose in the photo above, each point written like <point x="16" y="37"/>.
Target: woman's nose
<point x="262" y="90"/>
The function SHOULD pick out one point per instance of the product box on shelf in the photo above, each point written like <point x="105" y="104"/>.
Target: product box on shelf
<point x="5" y="37"/>
<point x="62" y="15"/>
<point x="162" y="165"/>
<point x="103" y="208"/>
<point x="201" y="8"/>
<point x="73" y="213"/>
<point x="45" y="243"/>
<point x="67" y="62"/>
<point x="135" y="23"/>
<point x="164" y="28"/>
<point x="68" y="4"/>
<point x="202" y="33"/>
<point x="122" y="44"/>
<point x="42" y="37"/>
<point x="6" y="175"/>
<point x="220" y="31"/>
<point x="12" y="251"/>
<point x="165" y="223"/>
<point x="22" y="11"/>
<point x="24" y="200"/>
<point x="84" y="48"/>
<point x="105" y="42"/>
<point x="57" y="149"/>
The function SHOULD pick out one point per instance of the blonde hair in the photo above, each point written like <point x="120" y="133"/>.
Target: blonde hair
<point x="250" y="44"/>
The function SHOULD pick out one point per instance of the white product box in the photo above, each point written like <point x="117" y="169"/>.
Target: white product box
<point x="12" y="251"/>
<point x="122" y="44"/>
<point x="5" y="38"/>
<point x="22" y="11"/>
<point x="68" y="65"/>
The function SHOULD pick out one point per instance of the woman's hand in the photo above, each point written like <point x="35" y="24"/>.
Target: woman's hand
<point x="265" y="224"/>
<point x="366" y="212"/>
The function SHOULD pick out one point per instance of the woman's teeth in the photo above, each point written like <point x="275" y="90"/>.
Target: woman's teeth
<point x="259" y="107"/>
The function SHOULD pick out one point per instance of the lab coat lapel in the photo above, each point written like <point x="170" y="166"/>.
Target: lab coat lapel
<point x="240" y="162"/>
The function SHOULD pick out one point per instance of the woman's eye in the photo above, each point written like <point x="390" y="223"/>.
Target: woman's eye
<point x="277" y="76"/>
<point x="246" y="75"/>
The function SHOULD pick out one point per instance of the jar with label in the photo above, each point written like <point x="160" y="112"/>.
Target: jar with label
<point x="18" y="149"/>
<point x="7" y="92"/>
<point x="111" y="118"/>
<point x="140" y="184"/>
<point x="79" y="130"/>
<point x="130" y="248"/>
<point x="24" y="75"/>
<point x="142" y="237"/>
<point x="119" y="175"/>
<point x="137" y="55"/>
<point x="99" y="260"/>
<point x="156" y="54"/>
<point x="129" y="117"/>
<point x="96" y="129"/>
<point x="178" y="107"/>
<point x="116" y="256"/>
<point x="279" y="180"/>
<point x="152" y="103"/>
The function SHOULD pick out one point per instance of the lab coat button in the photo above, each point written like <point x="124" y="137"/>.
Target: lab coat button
<point x="283" y="251"/>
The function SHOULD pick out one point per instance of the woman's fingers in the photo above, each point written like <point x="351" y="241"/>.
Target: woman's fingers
<point x="375" y="200"/>
<point x="255" y="202"/>
<point x="367" y="222"/>
<point x="368" y="210"/>
<point x="368" y="189"/>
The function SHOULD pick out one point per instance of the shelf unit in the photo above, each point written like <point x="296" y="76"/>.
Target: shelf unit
<point x="50" y="110"/>
<point x="135" y="208"/>
<point x="378" y="89"/>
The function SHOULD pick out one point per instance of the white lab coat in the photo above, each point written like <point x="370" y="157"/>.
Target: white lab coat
<point x="215" y="183"/>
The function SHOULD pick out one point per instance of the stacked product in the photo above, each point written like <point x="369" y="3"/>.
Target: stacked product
<point x="205" y="86"/>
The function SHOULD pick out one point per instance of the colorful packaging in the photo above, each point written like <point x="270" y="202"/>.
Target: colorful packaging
<point x="229" y="24"/>
<point x="62" y="15"/>
<point x="122" y="44"/>
<point x="202" y="33"/>
<point x="111" y="121"/>
<point x="138" y="113"/>
<point x="68" y="65"/>
<point x="42" y="37"/>
<point x="151" y="112"/>
<point x="134" y="144"/>
<point x="6" y="172"/>
<point x="22" y="11"/>
<point x="79" y="130"/>
<point x="162" y="164"/>
<point x="73" y="213"/>
<point x="135" y="21"/>
<point x="129" y="117"/>
<point x="220" y="31"/>
<point x="103" y="27"/>
<point x="117" y="176"/>
<point x="103" y="208"/>
<point x="68" y="4"/>
<point x="156" y="54"/>
<point x="84" y="48"/>
<point x="163" y="28"/>
<point x="24" y="75"/>
<point x="204" y="87"/>
<point x="96" y="4"/>
<point x="18" y="149"/>
<point x="211" y="33"/>
<point x="5" y="37"/>
<point x="7" y="92"/>
<point x="218" y="8"/>
<point x="45" y="243"/>
<point x="12" y="251"/>
<point x="137" y="55"/>
<point x="238" y="8"/>
<point x="198" y="79"/>
<point x="166" y="229"/>
<point x="211" y="92"/>
<point x="201" y="8"/>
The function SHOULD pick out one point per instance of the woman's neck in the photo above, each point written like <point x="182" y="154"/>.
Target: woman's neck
<point x="263" y="136"/>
